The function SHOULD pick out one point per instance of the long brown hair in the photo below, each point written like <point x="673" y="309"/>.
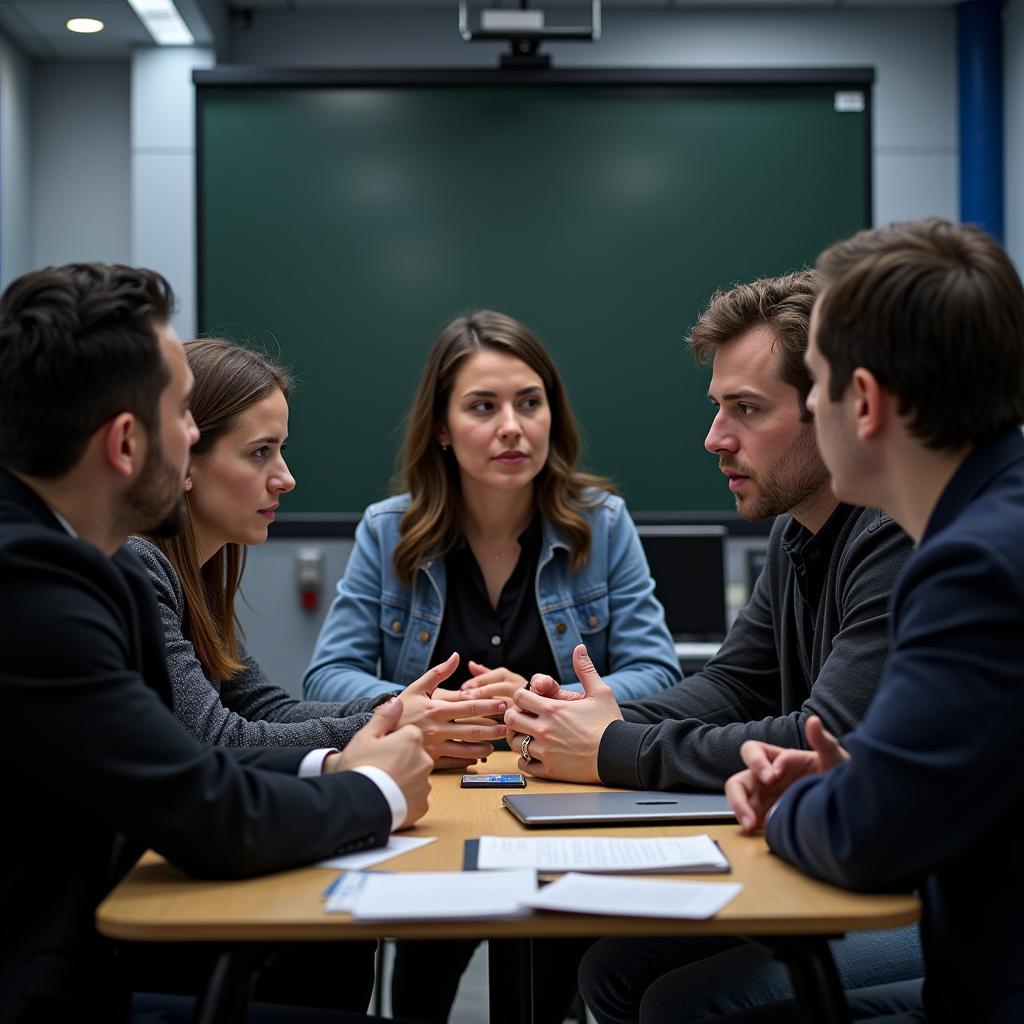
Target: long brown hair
<point x="431" y="525"/>
<point x="228" y="380"/>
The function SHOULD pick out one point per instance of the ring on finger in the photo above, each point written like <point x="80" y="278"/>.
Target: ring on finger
<point x="524" y="749"/>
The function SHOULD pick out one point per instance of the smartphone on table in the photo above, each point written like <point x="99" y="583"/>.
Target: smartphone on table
<point x="511" y="781"/>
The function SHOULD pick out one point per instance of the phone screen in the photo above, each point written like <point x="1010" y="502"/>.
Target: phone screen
<point x="511" y="781"/>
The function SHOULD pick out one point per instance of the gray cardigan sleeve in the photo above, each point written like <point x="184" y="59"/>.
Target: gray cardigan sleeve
<point x="689" y="737"/>
<point x="248" y="710"/>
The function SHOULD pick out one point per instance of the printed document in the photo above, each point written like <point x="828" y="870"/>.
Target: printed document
<point x="597" y="853"/>
<point x="634" y="897"/>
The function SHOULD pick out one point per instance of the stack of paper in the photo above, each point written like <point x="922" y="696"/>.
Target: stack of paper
<point x="595" y="853"/>
<point x="634" y="897"/>
<point x="433" y="895"/>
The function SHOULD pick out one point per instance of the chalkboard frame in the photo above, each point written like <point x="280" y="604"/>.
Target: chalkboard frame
<point x="257" y="77"/>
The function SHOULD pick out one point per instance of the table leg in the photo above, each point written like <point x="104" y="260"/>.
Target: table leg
<point x="510" y="981"/>
<point x="227" y="992"/>
<point x="813" y="976"/>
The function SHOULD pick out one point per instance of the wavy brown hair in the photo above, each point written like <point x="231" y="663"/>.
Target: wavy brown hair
<point x="432" y="524"/>
<point x="228" y="380"/>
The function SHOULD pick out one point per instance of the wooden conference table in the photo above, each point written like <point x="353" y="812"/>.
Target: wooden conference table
<point x="791" y="914"/>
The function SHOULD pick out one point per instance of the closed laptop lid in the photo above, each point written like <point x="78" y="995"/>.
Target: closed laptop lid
<point x="538" y="809"/>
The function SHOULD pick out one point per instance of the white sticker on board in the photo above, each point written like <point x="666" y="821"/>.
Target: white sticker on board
<point x="849" y="102"/>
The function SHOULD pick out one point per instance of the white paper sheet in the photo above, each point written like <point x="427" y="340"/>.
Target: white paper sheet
<point x="396" y="846"/>
<point x="596" y="853"/>
<point x="434" y="895"/>
<point x="635" y="897"/>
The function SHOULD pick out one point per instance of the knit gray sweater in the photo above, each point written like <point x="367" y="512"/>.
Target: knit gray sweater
<point x="248" y="710"/>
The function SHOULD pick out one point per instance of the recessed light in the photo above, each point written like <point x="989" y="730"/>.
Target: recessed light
<point x="86" y="25"/>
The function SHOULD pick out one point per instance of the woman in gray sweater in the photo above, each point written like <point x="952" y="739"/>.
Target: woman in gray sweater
<point x="237" y="477"/>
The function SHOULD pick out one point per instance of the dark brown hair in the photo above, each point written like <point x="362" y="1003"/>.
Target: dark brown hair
<point x="228" y="380"/>
<point x="431" y="525"/>
<point x="782" y="304"/>
<point x="81" y="339"/>
<point x="935" y="311"/>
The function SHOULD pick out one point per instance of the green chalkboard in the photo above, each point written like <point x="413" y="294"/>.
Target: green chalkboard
<point x="342" y="225"/>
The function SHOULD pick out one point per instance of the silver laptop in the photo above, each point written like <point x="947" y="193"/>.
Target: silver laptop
<point x="539" y="809"/>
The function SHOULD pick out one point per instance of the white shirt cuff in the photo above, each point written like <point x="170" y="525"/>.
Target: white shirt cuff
<point x="313" y="763"/>
<point x="390" y="791"/>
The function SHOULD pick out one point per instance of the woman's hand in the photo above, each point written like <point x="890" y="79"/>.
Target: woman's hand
<point x="455" y="733"/>
<point x="491" y="682"/>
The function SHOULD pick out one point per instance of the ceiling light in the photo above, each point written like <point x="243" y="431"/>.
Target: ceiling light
<point x="163" y="22"/>
<point x="85" y="25"/>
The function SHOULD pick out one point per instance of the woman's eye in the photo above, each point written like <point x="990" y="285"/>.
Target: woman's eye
<point x="261" y="453"/>
<point x="744" y="409"/>
<point x="531" y="403"/>
<point x="480" y="407"/>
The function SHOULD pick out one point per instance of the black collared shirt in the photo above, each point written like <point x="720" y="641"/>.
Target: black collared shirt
<point x="810" y="553"/>
<point x="510" y="636"/>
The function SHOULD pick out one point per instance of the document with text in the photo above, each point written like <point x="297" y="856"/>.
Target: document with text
<point x="601" y="853"/>
<point x="634" y="897"/>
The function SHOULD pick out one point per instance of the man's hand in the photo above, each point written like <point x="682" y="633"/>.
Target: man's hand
<point x="566" y="733"/>
<point x="396" y="749"/>
<point x="455" y="733"/>
<point x="772" y="770"/>
<point x="491" y="682"/>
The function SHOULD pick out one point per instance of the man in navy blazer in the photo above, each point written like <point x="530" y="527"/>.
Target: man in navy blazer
<point x="917" y="350"/>
<point x="95" y="432"/>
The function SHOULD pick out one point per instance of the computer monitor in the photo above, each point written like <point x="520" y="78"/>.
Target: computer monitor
<point x="688" y="566"/>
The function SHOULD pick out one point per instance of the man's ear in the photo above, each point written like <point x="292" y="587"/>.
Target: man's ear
<point x="871" y="404"/>
<point x="124" y="444"/>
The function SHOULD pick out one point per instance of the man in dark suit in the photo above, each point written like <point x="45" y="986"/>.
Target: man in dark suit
<point x="917" y="350"/>
<point x="95" y="433"/>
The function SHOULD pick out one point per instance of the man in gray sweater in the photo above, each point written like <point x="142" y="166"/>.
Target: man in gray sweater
<point x="811" y="641"/>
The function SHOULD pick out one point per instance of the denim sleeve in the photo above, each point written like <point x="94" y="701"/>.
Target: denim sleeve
<point x="347" y="654"/>
<point x="641" y="656"/>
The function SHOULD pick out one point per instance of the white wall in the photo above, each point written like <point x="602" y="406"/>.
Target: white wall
<point x="80" y="162"/>
<point x="913" y="53"/>
<point x="15" y="163"/>
<point x="163" y="170"/>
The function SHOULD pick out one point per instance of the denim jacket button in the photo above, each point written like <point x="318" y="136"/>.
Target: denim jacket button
<point x="423" y="636"/>
<point x="592" y="620"/>
<point x="396" y="626"/>
<point x="560" y="627"/>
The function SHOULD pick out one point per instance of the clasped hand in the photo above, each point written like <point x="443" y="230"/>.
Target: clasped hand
<point x="455" y="732"/>
<point x="771" y="770"/>
<point x="565" y="727"/>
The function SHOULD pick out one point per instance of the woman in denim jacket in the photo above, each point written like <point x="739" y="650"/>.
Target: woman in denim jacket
<point x="502" y="551"/>
<point x="490" y="452"/>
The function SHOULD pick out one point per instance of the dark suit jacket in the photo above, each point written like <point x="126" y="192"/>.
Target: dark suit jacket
<point x="933" y="796"/>
<point x="96" y="768"/>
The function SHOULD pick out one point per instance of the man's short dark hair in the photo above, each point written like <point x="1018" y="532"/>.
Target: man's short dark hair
<point x="78" y="345"/>
<point x="782" y="304"/>
<point x="935" y="311"/>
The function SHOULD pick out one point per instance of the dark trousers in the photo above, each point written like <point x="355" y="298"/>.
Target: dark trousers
<point x="426" y="978"/>
<point x="668" y="981"/>
<point x="899" y="1002"/>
